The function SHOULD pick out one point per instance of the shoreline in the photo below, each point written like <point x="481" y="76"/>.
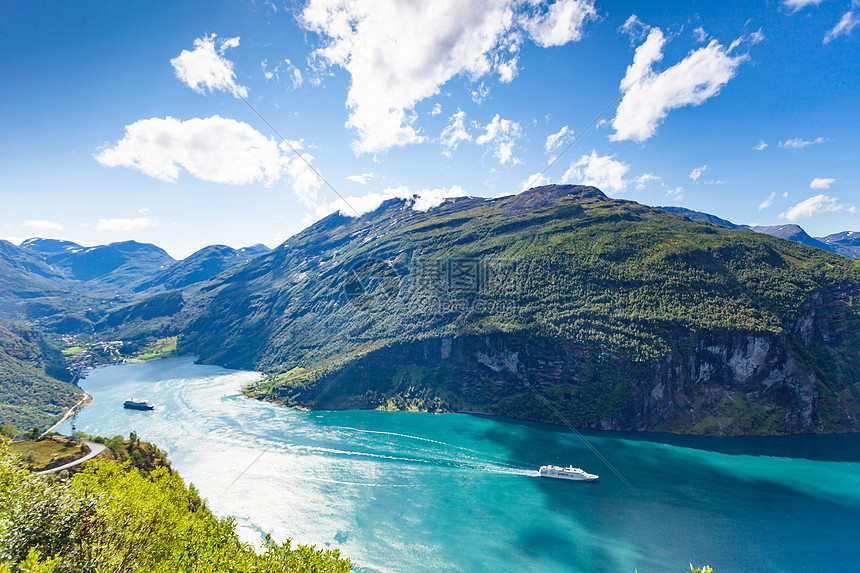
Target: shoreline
<point x="82" y="403"/>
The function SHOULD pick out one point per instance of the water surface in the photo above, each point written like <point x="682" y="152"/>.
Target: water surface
<point x="422" y="492"/>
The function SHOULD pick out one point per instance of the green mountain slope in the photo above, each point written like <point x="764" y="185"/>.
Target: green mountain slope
<point x="560" y="300"/>
<point x="200" y="266"/>
<point x="32" y="390"/>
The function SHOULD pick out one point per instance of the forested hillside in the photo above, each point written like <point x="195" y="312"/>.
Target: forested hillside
<point x="618" y="314"/>
<point x="34" y="387"/>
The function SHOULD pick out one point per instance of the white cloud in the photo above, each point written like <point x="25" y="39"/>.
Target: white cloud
<point x="644" y="179"/>
<point x="206" y="68"/>
<point x="454" y="133"/>
<point x="480" y="94"/>
<point x="295" y="75"/>
<point x="800" y="143"/>
<point x="213" y="149"/>
<point x="42" y="225"/>
<point x="697" y="172"/>
<point x="556" y="140"/>
<point x="602" y="171"/>
<point x="400" y="53"/>
<point x="558" y="23"/>
<point x="767" y="202"/>
<point x="422" y="200"/>
<point x="677" y="193"/>
<point x="849" y="21"/>
<point x="700" y="35"/>
<point x="761" y="146"/>
<point x="437" y="109"/>
<point x="125" y="225"/>
<point x="303" y="179"/>
<point x="507" y="70"/>
<point x="362" y="179"/>
<point x="535" y="180"/>
<point x="634" y="28"/>
<point x="649" y="96"/>
<point x="501" y="134"/>
<point x="814" y="206"/>
<point x="821" y="183"/>
<point x="796" y="5"/>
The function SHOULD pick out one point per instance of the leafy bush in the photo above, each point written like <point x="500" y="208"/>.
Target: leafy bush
<point x="113" y="517"/>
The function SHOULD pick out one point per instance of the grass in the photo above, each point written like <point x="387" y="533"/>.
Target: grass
<point x="45" y="451"/>
<point x="73" y="350"/>
<point x="161" y="348"/>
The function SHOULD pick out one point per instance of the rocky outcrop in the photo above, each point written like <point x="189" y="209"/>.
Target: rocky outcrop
<point x="711" y="383"/>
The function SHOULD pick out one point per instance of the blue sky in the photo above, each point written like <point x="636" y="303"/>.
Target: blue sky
<point x="135" y="121"/>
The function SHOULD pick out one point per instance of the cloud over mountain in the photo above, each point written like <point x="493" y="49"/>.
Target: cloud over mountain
<point x="814" y="206"/>
<point x="214" y="149"/>
<point x="206" y="69"/>
<point x="650" y="95"/>
<point x="399" y="53"/>
<point x="601" y="171"/>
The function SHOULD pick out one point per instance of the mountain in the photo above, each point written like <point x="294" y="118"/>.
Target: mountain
<point x="50" y="246"/>
<point x="30" y="288"/>
<point x="846" y="243"/>
<point x="117" y="267"/>
<point x="557" y="301"/>
<point x="201" y="266"/>
<point x="706" y="217"/>
<point x="22" y="271"/>
<point x="792" y="233"/>
<point x="34" y="388"/>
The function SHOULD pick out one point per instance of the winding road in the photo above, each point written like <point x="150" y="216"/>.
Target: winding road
<point x="71" y="411"/>
<point x="95" y="449"/>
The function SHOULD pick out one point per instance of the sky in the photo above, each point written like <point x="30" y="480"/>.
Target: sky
<point x="186" y="124"/>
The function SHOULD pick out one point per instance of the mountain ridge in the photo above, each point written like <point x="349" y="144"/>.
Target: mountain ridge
<point x="629" y="296"/>
<point x="845" y="243"/>
<point x="622" y="316"/>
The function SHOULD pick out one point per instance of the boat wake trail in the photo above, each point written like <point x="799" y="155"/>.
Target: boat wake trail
<point x="467" y="463"/>
<point x="476" y="456"/>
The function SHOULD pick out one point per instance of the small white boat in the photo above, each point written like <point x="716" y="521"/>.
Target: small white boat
<point x="570" y="472"/>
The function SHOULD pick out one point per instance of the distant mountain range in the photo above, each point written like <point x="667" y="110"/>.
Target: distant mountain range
<point x="846" y="243"/>
<point x="201" y="266"/>
<point x="67" y="286"/>
<point x="558" y="300"/>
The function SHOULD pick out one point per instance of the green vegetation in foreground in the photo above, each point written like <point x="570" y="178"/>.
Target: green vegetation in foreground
<point x="49" y="451"/>
<point x="113" y="517"/>
<point x="141" y="455"/>
<point x="34" y="387"/>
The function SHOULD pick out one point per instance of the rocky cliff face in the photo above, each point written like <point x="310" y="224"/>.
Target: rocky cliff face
<point x="711" y="383"/>
<point x="559" y="303"/>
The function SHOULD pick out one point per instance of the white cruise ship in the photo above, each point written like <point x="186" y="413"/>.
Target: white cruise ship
<point x="137" y="404"/>
<point x="569" y="472"/>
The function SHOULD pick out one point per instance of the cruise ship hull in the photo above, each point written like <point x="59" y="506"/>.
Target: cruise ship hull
<point x="571" y="478"/>
<point x="569" y="473"/>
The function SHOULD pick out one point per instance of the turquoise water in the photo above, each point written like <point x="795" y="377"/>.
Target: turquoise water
<point x="422" y="492"/>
